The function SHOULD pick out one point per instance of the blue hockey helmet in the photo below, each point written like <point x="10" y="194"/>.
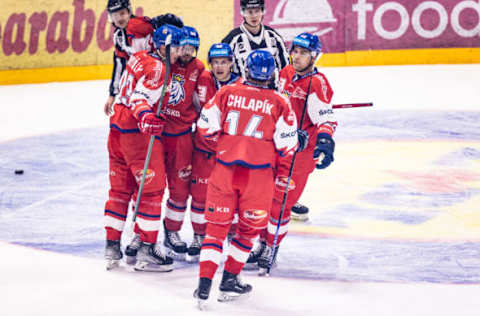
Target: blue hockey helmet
<point x="220" y="50"/>
<point x="160" y="36"/>
<point x="260" y="65"/>
<point x="191" y="36"/>
<point x="310" y="42"/>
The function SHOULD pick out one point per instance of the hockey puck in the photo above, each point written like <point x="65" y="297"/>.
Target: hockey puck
<point x="18" y="171"/>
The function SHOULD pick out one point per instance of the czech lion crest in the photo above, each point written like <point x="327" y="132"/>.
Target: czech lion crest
<point x="177" y="92"/>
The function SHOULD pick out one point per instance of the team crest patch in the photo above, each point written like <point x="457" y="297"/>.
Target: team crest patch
<point x="177" y="91"/>
<point x="281" y="184"/>
<point x="185" y="173"/>
<point x="148" y="178"/>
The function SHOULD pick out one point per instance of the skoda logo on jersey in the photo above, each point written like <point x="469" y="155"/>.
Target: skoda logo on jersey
<point x="292" y="17"/>
<point x="177" y="91"/>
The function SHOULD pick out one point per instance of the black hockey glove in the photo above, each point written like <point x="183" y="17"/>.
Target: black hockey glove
<point x="326" y="146"/>
<point x="167" y="18"/>
<point x="302" y="140"/>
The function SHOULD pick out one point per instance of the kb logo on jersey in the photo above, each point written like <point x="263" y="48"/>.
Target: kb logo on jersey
<point x="177" y="91"/>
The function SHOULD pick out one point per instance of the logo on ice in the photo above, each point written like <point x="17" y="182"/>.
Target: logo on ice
<point x="292" y="17"/>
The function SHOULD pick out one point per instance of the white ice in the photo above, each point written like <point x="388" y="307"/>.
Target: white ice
<point x="39" y="282"/>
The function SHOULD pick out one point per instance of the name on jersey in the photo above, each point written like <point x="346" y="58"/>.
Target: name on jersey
<point x="240" y="102"/>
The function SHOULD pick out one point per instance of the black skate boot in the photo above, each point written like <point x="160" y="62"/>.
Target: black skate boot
<point x="176" y="247"/>
<point x="231" y="288"/>
<point x="131" y="250"/>
<point x="299" y="212"/>
<point x="193" y="254"/>
<point x="265" y="259"/>
<point x="254" y="255"/>
<point x="113" y="254"/>
<point x="202" y="292"/>
<point x="151" y="259"/>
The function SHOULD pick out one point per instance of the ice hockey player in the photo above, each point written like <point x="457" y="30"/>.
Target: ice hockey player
<point x="131" y="126"/>
<point x="220" y="59"/>
<point x="253" y="124"/>
<point x="319" y="123"/>
<point x="253" y="34"/>
<point x="178" y="141"/>
<point x="132" y="34"/>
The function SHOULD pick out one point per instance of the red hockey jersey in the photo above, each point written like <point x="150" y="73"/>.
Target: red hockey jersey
<point x="138" y="35"/>
<point x="319" y="117"/>
<point x="140" y="90"/>
<point x="180" y="110"/>
<point x="251" y="123"/>
<point x="207" y="87"/>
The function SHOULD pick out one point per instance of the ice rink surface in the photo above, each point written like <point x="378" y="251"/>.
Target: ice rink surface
<point x="394" y="224"/>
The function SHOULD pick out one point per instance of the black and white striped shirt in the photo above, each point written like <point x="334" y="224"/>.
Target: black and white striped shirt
<point x="243" y="42"/>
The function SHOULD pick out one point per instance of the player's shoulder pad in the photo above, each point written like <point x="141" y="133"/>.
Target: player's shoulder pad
<point x="206" y="75"/>
<point x="322" y="87"/>
<point x="230" y="36"/>
<point x="139" y="26"/>
<point x="287" y="71"/>
<point x="281" y="96"/>
<point x="199" y="64"/>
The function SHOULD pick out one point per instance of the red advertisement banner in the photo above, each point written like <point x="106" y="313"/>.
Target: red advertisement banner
<point x="353" y="25"/>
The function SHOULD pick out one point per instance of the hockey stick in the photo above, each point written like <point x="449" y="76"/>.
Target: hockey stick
<point x="168" y="43"/>
<point x="285" y="193"/>
<point x="351" y="105"/>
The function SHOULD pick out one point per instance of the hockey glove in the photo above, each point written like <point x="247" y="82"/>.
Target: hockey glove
<point x="150" y="124"/>
<point x="120" y="40"/>
<point x="324" y="150"/>
<point x="168" y="18"/>
<point x="302" y="140"/>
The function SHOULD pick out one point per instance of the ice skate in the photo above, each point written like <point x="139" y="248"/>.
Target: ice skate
<point x="299" y="213"/>
<point x="202" y="292"/>
<point x="265" y="259"/>
<point x="151" y="259"/>
<point x="193" y="254"/>
<point x="252" y="261"/>
<point x="113" y="254"/>
<point x="132" y="249"/>
<point x="176" y="247"/>
<point x="231" y="288"/>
